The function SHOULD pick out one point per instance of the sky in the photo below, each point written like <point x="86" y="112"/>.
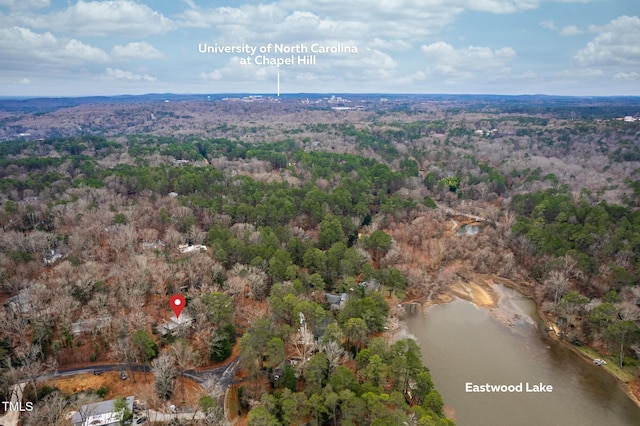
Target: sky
<point x="114" y="47"/>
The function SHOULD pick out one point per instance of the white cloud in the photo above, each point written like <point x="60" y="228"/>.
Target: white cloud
<point x="19" y="38"/>
<point x="227" y="18"/>
<point x="410" y="79"/>
<point x="19" y="45"/>
<point x="101" y="18"/>
<point x="235" y="71"/>
<point x="135" y="50"/>
<point x="393" y="9"/>
<point x="362" y="68"/>
<point x="397" y="45"/>
<point x="628" y="76"/>
<point x="617" y="43"/>
<point x="446" y="60"/>
<point x="118" y="74"/>
<point x="550" y="25"/>
<point x="25" y="4"/>
<point x="270" y="23"/>
<point x="501" y="6"/>
<point x="396" y="40"/>
<point x="77" y="50"/>
<point x="308" y="25"/>
<point x="390" y="26"/>
<point x="568" y="30"/>
<point x="583" y="72"/>
<point x="371" y="65"/>
<point x="571" y="30"/>
<point x="401" y="20"/>
<point x="527" y="75"/>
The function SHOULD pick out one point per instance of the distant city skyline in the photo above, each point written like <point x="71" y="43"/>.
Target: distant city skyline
<point x="512" y="47"/>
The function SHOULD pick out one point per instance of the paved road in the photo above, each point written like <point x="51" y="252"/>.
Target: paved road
<point x="224" y="374"/>
<point x="157" y="416"/>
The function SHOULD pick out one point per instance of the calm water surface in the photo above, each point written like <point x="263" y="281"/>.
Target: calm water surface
<point x="463" y="343"/>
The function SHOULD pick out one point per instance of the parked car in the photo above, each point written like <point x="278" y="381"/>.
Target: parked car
<point x="97" y="372"/>
<point x="123" y="375"/>
<point x="141" y="420"/>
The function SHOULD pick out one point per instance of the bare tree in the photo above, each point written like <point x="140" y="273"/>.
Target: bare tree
<point x="13" y="323"/>
<point x="196" y="235"/>
<point x="213" y="415"/>
<point x="335" y="354"/>
<point x="185" y="359"/>
<point x="149" y="235"/>
<point x="236" y="286"/>
<point x="556" y="284"/>
<point x="164" y="372"/>
<point x="32" y="365"/>
<point x="122" y="239"/>
<point x="124" y="352"/>
<point x="65" y="307"/>
<point x="211" y="404"/>
<point x="50" y="411"/>
<point x="203" y="272"/>
<point x="148" y="397"/>
<point x="629" y="311"/>
<point x="9" y="379"/>
<point x="508" y="266"/>
<point x="199" y="311"/>
<point x="571" y="268"/>
<point x="173" y="238"/>
<point x="99" y="304"/>
<point x="258" y="282"/>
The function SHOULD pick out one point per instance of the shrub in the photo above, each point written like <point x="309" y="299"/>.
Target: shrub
<point x="103" y="391"/>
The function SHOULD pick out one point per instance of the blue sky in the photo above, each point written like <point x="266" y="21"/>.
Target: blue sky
<point x="556" y="47"/>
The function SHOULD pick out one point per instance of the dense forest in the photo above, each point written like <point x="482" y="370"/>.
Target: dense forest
<point x="90" y="240"/>
<point x="300" y="248"/>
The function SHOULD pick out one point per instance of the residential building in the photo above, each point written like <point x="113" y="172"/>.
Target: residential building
<point x="100" y="414"/>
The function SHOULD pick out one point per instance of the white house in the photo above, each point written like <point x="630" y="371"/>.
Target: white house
<point x="183" y="321"/>
<point x="186" y="248"/>
<point x="100" y="414"/>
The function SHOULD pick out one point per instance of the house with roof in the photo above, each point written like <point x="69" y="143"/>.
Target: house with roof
<point x="91" y="324"/>
<point x="152" y="245"/>
<point x="186" y="248"/>
<point x="51" y="257"/>
<point x="184" y="321"/>
<point x="336" y="301"/>
<point x="100" y="414"/>
<point x="21" y="303"/>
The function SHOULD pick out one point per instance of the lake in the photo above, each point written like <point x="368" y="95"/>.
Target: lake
<point x="467" y="348"/>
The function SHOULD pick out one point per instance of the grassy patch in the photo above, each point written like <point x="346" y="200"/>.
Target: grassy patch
<point x="232" y="403"/>
<point x="626" y="373"/>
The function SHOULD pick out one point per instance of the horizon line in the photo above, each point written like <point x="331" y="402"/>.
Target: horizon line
<point x="269" y="94"/>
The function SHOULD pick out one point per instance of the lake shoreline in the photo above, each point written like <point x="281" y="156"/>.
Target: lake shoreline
<point x="479" y="291"/>
<point x="553" y="335"/>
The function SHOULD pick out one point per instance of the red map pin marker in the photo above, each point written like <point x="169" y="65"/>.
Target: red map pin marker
<point x="177" y="302"/>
